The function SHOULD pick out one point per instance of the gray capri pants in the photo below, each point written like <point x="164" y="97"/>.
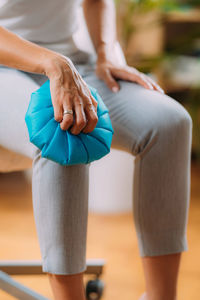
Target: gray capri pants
<point x="154" y="128"/>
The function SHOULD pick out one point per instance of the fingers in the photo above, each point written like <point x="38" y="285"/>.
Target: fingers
<point x="89" y="98"/>
<point x="58" y="112"/>
<point x="134" y="75"/>
<point x="110" y="81"/>
<point x="80" y="118"/>
<point x="92" y="118"/>
<point x="79" y="100"/>
<point x="85" y="117"/>
<point x="68" y="119"/>
<point x="155" y="85"/>
<point x="141" y="79"/>
<point x="94" y="103"/>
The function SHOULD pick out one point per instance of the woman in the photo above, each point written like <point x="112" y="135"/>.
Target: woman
<point x="36" y="44"/>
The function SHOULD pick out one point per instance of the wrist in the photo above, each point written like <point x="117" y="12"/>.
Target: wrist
<point x="105" y="52"/>
<point x="55" y="64"/>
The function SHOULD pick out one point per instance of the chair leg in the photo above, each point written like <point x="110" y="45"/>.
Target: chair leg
<point x="18" y="267"/>
<point x="18" y="290"/>
<point x="21" y="292"/>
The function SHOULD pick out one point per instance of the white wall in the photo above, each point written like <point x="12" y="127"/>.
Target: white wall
<point x="111" y="181"/>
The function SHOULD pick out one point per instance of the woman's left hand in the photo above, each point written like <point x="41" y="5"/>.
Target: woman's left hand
<point x="108" y="72"/>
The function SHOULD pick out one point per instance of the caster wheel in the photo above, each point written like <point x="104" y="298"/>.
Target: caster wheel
<point x="94" y="289"/>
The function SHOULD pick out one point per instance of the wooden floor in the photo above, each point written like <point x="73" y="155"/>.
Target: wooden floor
<point x="111" y="237"/>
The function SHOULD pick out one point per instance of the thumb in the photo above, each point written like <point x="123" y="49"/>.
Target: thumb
<point x="110" y="81"/>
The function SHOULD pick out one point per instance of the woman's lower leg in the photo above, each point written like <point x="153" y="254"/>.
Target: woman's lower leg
<point x="60" y="202"/>
<point x="161" y="201"/>
<point x="161" y="275"/>
<point x="67" y="287"/>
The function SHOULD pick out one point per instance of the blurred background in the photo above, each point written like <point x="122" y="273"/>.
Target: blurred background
<point x="161" y="38"/>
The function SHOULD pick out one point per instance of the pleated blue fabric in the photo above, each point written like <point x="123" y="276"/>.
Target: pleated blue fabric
<point x="60" y="145"/>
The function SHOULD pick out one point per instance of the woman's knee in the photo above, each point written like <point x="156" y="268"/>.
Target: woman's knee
<point x="177" y="121"/>
<point x="167" y="124"/>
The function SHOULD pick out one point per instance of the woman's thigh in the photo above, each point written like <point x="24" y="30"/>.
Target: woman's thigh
<point x="138" y="115"/>
<point x="15" y="91"/>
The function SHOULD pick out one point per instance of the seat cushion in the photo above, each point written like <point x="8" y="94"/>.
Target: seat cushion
<point x="11" y="161"/>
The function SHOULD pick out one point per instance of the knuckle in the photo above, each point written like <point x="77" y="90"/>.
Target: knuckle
<point x="90" y="129"/>
<point x="88" y="102"/>
<point x="58" y="117"/>
<point x="75" y="131"/>
<point x="92" y="122"/>
<point x="94" y="117"/>
<point x="63" y="127"/>
<point x="81" y="123"/>
<point x="78" y="100"/>
<point x="142" y="77"/>
<point x="66" y="124"/>
<point x="95" y="103"/>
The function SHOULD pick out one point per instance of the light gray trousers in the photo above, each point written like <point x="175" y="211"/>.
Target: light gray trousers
<point x="154" y="128"/>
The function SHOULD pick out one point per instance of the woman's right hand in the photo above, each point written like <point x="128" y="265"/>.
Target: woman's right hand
<point x="70" y="92"/>
<point x="68" y="89"/>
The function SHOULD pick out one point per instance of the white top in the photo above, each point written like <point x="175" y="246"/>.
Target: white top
<point x="49" y="23"/>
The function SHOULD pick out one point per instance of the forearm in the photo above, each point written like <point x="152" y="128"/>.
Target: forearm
<point x="101" y="22"/>
<point x="18" y="53"/>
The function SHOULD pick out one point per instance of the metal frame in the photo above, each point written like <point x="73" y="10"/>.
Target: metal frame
<point x="20" y="291"/>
